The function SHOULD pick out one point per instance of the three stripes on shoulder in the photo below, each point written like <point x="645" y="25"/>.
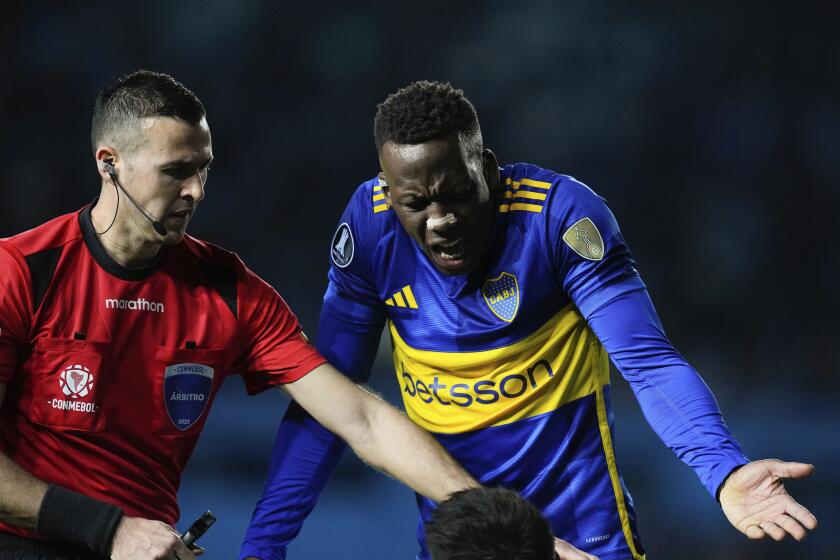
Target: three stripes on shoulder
<point x="403" y="298"/>
<point x="515" y="197"/>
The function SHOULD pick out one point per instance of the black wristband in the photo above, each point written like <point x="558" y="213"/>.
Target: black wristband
<point x="70" y="517"/>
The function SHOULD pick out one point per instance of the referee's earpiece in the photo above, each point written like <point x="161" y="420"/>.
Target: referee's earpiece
<point x="107" y="167"/>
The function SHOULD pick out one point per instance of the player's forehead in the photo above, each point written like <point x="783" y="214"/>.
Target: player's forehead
<point x="167" y="139"/>
<point x="440" y="164"/>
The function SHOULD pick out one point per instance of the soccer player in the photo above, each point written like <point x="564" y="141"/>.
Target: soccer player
<point x="488" y="524"/>
<point x="506" y="291"/>
<point x="116" y="332"/>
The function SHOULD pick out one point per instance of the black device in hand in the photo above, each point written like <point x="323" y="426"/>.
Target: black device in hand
<point x="198" y="528"/>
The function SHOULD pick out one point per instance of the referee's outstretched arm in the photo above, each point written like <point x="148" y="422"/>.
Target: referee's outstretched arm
<point x="380" y="434"/>
<point x="72" y="518"/>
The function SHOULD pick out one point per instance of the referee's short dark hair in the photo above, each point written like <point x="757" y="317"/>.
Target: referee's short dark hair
<point x="138" y="95"/>
<point x="488" y="524"/>
<point x="424" y="111"/>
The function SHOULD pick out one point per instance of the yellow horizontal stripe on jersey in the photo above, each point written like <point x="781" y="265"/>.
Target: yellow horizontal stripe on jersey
<point x="380" y="196"/>
<point x="409" y="297"/>
<point x="399" y="299"/>
<point x="456" y="392"/>
<point x="527" y="207"/>
<point x="508" y="194"/>
<point x="377" y="188"/>
<point x="380" y="208"/>
<point x="538" y="184"/>
<point x="504" y="208"/>
<point x="531" y="195"/>
<point x="389" y="301"/>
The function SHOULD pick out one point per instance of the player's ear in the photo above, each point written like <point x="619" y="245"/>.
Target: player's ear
<point x="490" y="169"/>
<point x="385" y="189"/>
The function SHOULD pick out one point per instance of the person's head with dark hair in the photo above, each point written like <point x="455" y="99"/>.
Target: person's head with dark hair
<point x="142" y="94"/>
<point x="488" y="524"/>
<point x="426" y="111"/>
<point x="441" y="181"/>
<point x="153" y="148"/>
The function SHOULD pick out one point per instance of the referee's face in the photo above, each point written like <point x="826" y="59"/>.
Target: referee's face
<point x="443" y="194"/>
<point x="166" y="173"/>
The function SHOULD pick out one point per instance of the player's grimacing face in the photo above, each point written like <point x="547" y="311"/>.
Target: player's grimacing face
<point x="443" y="197"/>
<point x="166" y="173"/>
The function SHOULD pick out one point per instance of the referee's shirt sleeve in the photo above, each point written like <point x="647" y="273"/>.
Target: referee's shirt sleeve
<point x="274" y="349"/>
<point x="15" y="308"/>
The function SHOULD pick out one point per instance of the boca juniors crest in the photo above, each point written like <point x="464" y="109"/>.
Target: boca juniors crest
<point x="502" y="296"/>
<point x="186" y="390"/>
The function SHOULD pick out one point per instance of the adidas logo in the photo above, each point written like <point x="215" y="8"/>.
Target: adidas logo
<point x="403" y="298"/>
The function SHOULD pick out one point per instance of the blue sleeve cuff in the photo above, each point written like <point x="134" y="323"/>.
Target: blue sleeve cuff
<point x="721" y="472"/>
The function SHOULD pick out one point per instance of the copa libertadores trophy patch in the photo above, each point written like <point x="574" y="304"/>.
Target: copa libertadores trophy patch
<point x="585" y="240"/>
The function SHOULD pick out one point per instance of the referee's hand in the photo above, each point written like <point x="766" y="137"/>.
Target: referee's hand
<point x="144" y="539"/>
<point x="565" y="551"/>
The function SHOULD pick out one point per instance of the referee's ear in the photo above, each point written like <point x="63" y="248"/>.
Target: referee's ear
<point x="105" y="154"/>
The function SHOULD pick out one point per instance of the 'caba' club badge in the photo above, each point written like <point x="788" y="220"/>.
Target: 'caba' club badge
<point x="502" y="295"/>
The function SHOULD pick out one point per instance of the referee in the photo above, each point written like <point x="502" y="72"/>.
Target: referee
<point x="116" y="332"/>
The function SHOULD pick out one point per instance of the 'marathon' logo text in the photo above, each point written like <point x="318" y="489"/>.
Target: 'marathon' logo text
<point x="139" y="304"/>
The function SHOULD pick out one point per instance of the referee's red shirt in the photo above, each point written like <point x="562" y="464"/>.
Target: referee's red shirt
<point x="111" y="371"/>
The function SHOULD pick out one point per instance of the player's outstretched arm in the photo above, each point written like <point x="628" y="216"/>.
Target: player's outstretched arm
<point x="683" y="412"/>
<point x="22" y="499"/>
<point x="755" y="501"/>
<point x="379" y="434"/>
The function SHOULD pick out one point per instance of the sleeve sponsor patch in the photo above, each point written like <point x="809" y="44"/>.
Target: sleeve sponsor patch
<point x="342" y="248"/>
<point x="585" y="240"/>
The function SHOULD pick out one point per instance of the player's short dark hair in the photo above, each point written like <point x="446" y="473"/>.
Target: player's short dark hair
<point x="139" y="95"/>
<point x="424" y="111"/>
<point x="488" y="524"/>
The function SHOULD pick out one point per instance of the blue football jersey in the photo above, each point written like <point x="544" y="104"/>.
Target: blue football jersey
<point x="501" y="365"/>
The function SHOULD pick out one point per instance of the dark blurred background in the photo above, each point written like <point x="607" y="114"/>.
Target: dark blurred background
<point x="713" y="132"/>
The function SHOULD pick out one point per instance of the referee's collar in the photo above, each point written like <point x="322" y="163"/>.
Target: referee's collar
<point x="104" y="260"/>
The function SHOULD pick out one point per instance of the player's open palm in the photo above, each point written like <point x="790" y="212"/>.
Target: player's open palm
<point x="755" y="501"/>
<point x="144" y="539"/>
<point x="565" y="551"/>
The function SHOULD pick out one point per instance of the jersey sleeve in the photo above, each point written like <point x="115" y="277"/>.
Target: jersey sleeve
<point x="586" y="247"/>
<point x="305" y="453"/>
<point x="353" y="314"/>
<point x="599" y="274"/>
<point x="676" y="402"/>
<point x="275" y="350"/>
<point x="352" y="256"/>
<point x="15" y="309"/>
